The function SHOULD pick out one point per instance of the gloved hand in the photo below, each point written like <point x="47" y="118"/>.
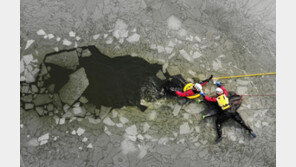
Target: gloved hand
<point x="218" y="84"/>
<point x="210" y="78"/>
<point x="201" y="93"/>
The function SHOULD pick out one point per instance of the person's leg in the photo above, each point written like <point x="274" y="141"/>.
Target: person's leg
<point x="239" y="120"/>
<point x="220" y="119"/>
<point x="210" y="114"/>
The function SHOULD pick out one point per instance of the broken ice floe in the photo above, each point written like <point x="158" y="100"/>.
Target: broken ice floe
<point x="174" y="23"/>
<point x="95" y="37"/>
<point x="43" y="139"/>
<point x="72" y="34"/>
<point x="29" y="43"/>
<point x="41" y="32"/>
<point x="28" y="68"/>
<point x="67" y="42"/>
<point x="80" y="131"/>
<point x="133" y="38"/>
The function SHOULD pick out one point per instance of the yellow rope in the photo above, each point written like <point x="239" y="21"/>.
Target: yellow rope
<point x="249" y="75"/>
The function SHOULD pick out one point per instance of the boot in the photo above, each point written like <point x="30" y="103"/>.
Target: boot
<point x="253" y="134"/>
<point x="218" y="139"/>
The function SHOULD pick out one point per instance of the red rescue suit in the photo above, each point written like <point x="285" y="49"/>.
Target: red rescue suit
<point x="190" y="92"/>
<point x="214" y="99"/>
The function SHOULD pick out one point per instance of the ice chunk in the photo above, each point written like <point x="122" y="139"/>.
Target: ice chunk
<point x="133" y="38"/>
<point x="184" y="128"/>
<point x="41" y="32"/>
<point x="72" y="34"/>
<point x="29" y="43"/>
<point x="174" y="23"/>
<point x="67" y="42"/>
<point x="80" y="131"/>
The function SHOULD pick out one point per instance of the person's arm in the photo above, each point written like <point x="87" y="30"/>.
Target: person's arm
<point x="206" y="81"/>
<point x="207" y="98"/>
<point x="185" y="94"/>
<point x="203" y="83"/>
<point x="224" y="90"/>
<point x="212" y="99"/>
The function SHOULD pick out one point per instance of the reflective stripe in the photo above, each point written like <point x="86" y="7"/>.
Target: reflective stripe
<point x="223" y="102"/>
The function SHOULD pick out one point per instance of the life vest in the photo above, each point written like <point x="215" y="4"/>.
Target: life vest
<point x="190" y="86"/>
<point x="223" y="102"/>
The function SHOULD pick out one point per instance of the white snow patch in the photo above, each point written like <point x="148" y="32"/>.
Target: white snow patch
<point x="95" y="37"/>
<point x="27" y="59"/>
<point x="189" y="38"/>
<point x="127" y="146"/>
<point x="131" y="130"/>
<point x="132" y="138"/>
<point x="191" y="72"/>
<point x="108" y="121"/>
<point x="120" y="125"/>
<point x="44" y="137"/>
<point x="73" y="132"/>
<point x="29" y="43"/>
<point x="77" y="38"/>
<point x="50" y="36"/>
<point x="265" y="124"/>
<point x="84" y="139"/>
<point x="114" y="113"/>
<point x="67" y="42"/>
<point x="241" y="141"/>
<point x="120" y="29"/>
<point x="168" y="50"/>
<point x="197" y="38"/>
<point x="89" y="145"/>
<point x="196" y="54"/>
<point x="140" y="137"/>
<point x="146" y="127"/>
<point x="185" y="55"/>
<point x="174" y="23"/>
<point x="80" y="131"/>
<point x="80" y="148"/>
<point x="133" y="38"/>
<point x="182" y="32"/>
<point x="33" y="142"/>
<point x="93" y="121"/>
<point x="242" y="90"/>
<point x="142" y="151"/>
<point x="43" y="142"/>
<point x="22" y="125"/>
<point x="160" y="49"/>
<point x="163" y="140"/>
<point x="62" y="121"/>
<point x="58" y="39"/>
<point x="152" y="115"/>
<point x="105" y="36"/>
<point x="123" y="120"/>
<point x="109" y="40"/>
<point x="41" y="32"/>
<point x="72" y="34"/>
<point x="56" y="49"/>
<point x="184" y="128"/>
<point x="153" y="46"/>
<point x="231" y="136"/>
<point x="217" y="65"/>
<point x="134" y="30"/>
<point x="77" y="110"/>
<point x="107" y="131"/>
<point x="177" y="109"/>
